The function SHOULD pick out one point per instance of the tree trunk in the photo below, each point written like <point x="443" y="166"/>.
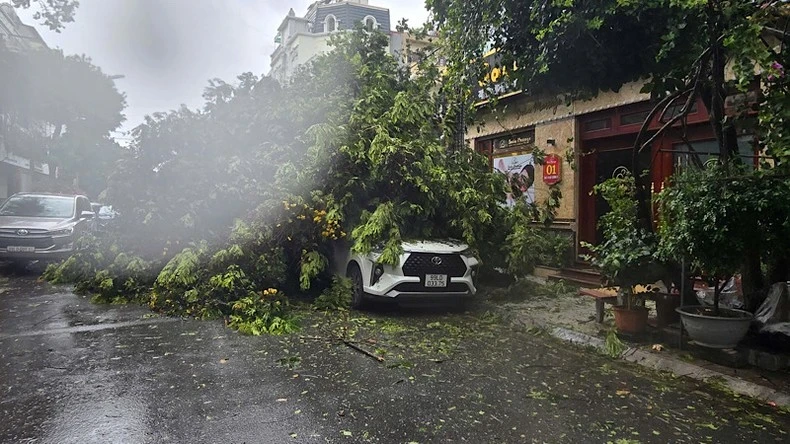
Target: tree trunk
<point x="716" y="296"/>
<point x="713" y="95"/>
<point x="752" y="280"/>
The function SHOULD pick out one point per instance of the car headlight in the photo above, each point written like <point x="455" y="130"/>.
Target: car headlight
<point x="64" y="232"/>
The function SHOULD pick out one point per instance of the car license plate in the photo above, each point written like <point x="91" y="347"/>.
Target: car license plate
<point x="435" y="280"/>
<point x="14" y="249"/>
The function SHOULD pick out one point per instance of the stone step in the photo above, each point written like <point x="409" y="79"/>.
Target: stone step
<point x="582" y="276"/>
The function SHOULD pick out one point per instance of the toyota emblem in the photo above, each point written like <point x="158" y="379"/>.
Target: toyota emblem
<point x="22" y="232"/>
<point x="436" y="260"/>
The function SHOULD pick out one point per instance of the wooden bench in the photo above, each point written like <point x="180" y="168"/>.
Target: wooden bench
<point x="602" y="296"/>
<point x="609" y="296"/>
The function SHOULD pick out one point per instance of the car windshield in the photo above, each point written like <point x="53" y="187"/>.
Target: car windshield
<point x="38" y="206"/>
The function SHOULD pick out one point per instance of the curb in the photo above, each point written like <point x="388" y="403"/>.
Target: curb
<point x="664" y="363"/>
<point x="677" y="367"/>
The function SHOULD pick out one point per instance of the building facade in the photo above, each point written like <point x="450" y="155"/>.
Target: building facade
<point x="17" y="171"/>
<point x="594" y="140"/>
<point x="300" y="39"/>
<point x="15" y="35"/>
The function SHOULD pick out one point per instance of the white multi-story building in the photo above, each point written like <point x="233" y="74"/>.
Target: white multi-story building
<point x="18" y="171"/>
<point x="15" y="35"/>
<point x="300" y="39"/>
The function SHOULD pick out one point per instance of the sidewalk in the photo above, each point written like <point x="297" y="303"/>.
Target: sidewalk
<point x="557" y="309"/>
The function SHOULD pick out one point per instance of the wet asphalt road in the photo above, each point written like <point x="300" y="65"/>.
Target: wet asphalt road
<point x="74" y="372"/>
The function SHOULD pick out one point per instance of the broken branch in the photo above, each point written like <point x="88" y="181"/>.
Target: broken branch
<point x="363" y="351"/>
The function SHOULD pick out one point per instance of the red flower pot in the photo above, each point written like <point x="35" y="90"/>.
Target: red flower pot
<point x="633" y="320"/>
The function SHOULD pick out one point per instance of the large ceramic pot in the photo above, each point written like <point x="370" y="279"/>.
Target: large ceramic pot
<point x="723" y="331"/>
<point x="633" y="320"/>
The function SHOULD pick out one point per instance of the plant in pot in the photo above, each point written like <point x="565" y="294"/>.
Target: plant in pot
<point x="625" y="256"/>
<point x="705" y="218"/>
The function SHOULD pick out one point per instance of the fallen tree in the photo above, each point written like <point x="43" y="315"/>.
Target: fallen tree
<point x="225" y="210"/>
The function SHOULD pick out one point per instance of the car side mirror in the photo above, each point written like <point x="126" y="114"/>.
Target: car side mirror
<point x="87" y="215"/>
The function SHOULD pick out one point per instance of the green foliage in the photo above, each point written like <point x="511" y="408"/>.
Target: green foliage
<point x="336" y="297"/>
<point x="529" y="245"/>
<point x="715" y="217"/>
<point x="99" y="269"/>
<point x="182" y="271"/>
<point x="626" y="255"/>
<point x="612" y="42"/>
<point x="267" y="313"/>
<point x="613" y="346"/>
<point x="275" y="179"/>
<point x="197" y="283"/>
<point x="313" y="264"/>
<point x="381" y="170"/>
<point x="90" y="256"/>
<point x="190" y="175"/>
<point x="704" y="219"/>
<point x="78" y="101"/>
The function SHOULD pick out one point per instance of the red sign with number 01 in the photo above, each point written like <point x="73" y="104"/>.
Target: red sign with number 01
<point x="552" y="169"/>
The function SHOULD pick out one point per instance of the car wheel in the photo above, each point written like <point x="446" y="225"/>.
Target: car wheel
<point x="357" y="287"/>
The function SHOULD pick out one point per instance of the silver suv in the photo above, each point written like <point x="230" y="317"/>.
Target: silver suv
<point x="36" y="226"/>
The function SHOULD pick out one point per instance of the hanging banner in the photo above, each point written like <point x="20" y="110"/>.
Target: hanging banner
<point x="519" y="171"/>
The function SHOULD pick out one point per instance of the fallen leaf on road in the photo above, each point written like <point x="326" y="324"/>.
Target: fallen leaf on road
<point x="223" y="360"/>
<point x="623" y="393"/>
<point x="346" y="433"/>
<point x="282" y="399"/>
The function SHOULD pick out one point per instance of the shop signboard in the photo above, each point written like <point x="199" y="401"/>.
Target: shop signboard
<point x="552" y="169"/>
<point x="521" y="141"/>
<point x="497" y="82"/>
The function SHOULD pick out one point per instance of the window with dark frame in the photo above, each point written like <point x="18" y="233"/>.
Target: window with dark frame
<point x="598" y="124"/>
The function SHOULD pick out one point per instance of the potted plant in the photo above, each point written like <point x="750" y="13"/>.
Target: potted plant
<point x="625" y="257"/>
<point x="705" y="219"/>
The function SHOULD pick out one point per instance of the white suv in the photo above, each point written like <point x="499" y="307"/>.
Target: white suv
<point x="428" y="271"/>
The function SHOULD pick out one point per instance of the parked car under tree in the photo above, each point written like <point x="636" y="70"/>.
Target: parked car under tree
<point x="427" y="272"/>
<point x="40" y="226"/>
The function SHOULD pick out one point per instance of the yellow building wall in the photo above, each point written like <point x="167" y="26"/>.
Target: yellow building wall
<point x="560" y="131"/>
<point x="522" y="113"/>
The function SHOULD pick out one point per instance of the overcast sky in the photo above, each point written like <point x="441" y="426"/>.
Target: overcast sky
<point x="168" y="49"/>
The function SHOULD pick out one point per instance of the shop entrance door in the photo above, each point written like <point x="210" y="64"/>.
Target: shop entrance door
<point x="596" y="167"/>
